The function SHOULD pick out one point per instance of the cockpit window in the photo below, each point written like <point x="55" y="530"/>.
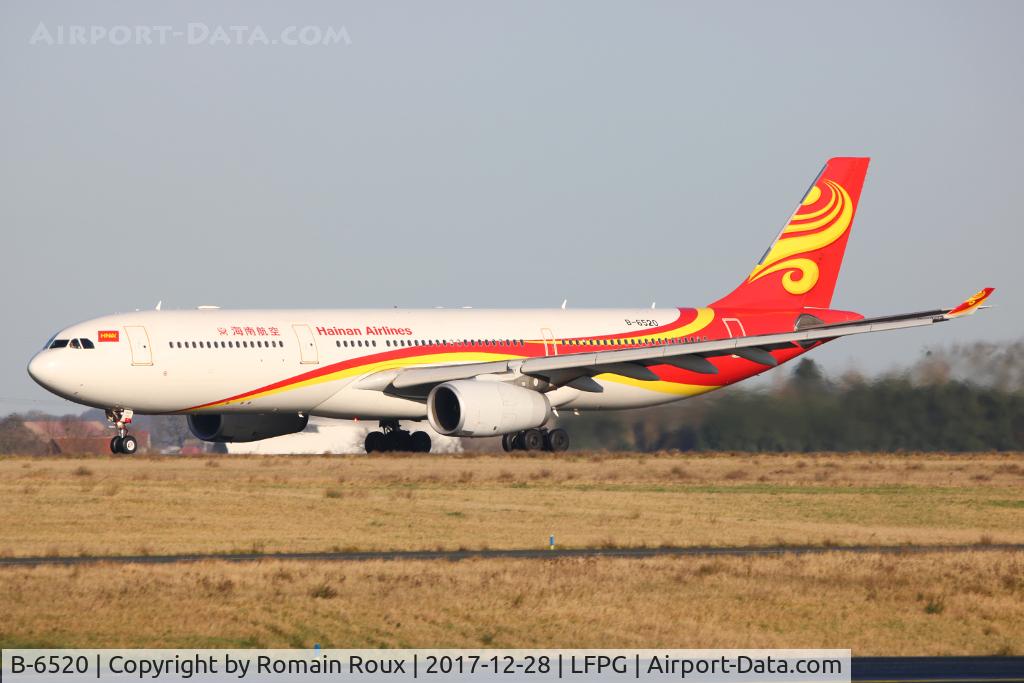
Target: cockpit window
<point x="80" y="343"/>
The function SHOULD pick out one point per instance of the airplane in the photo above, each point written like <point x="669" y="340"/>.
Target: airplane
<point x="246" y="375"/>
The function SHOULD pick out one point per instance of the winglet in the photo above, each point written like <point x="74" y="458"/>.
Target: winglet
<point x="971" y="305"/>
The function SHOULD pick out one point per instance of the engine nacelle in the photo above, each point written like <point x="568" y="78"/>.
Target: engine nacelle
<point x="472" y="407"/>
<point x="238" y="428"/>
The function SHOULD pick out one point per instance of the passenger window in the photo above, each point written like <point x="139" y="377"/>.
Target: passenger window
<point x="170" y="344"/>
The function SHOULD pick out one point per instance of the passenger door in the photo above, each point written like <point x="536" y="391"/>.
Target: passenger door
<point x="550" y="349"/>
<point x="307" y="344"/>
<point x="735" y="329"/>
<point x="138" y="341"/>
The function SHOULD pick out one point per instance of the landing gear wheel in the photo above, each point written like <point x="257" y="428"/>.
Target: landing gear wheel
<point x="374" y="442"/>
<point x="420" y="442"/>
<point x="532" y="440"/>
<point x="508" y="442"/>
<point x="404" y="441"/>
<point x="557" y="440"/>
<point x="397" y="440"/>
<point x="124" y="442"/>
<point x="129" y="445"/>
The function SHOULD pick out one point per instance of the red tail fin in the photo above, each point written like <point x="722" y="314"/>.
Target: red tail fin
<point x="801" y="266"/>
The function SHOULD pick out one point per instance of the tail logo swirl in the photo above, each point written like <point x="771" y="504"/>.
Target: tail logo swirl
<point x="823" y="216"/>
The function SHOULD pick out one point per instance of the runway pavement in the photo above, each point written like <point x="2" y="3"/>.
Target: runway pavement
<point x="522" y="553"/>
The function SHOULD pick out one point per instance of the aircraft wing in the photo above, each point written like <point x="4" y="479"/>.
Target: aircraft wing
<point x="566" y="368"/>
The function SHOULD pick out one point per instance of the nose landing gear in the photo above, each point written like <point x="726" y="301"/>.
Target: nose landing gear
<point x="124" y="442"/>
<point x="392" y="437"/>
<point x="554" y="440"/>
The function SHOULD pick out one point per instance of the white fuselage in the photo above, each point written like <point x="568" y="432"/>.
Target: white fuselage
<point x="312" y="361"/>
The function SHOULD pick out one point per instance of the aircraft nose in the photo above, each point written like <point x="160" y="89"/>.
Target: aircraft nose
<point x="43" y="369"/>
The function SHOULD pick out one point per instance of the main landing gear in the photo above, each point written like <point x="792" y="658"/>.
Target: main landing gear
<point x="393" y="438"/>
<point x="555" y="440"/>
<point x="124" y="442"/>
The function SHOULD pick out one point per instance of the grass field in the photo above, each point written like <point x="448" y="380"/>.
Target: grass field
<point x="963" y="603"/>
<point x="947" y="603"/>
<point x="166" y="505"/>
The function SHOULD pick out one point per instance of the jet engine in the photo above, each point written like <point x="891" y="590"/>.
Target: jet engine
<point x="236" y="428"/>
<point x="480" y="408"/>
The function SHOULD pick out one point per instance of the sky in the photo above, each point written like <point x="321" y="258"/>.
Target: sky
<point x="499" y="154"/>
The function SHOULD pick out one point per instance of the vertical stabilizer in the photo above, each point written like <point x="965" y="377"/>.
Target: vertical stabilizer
<point x="801" y="267"/>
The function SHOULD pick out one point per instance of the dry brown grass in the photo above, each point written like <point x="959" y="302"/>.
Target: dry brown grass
<point x="958" y="603"/>
<point x="178" y="504"/>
